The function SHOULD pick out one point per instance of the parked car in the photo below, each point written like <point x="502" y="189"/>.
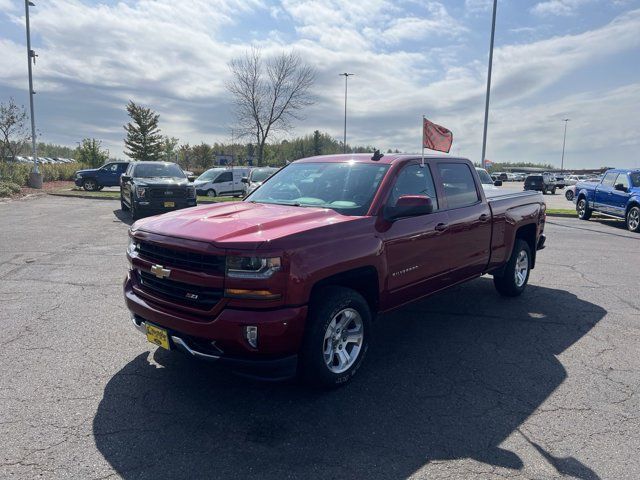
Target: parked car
<point x="221" y="181"/>
<point x="617" y="195"/>
<point x="148" y="188"/>
<point x="560" y="183"/>
<point x="289" y="280"/>
<point x="256" y="177"/>
<point x="486" y="181"/>
<point x="108" y="175"/>
<point x="570" y="192"/>
<point x="502" y="176"/>
<point x="542" y="183"/>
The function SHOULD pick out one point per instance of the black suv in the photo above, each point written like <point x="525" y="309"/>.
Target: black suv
<point x="155" y="187"/>
<point x="542" y="183"/>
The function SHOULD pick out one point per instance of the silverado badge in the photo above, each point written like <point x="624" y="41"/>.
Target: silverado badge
<point x="160" y="272"/>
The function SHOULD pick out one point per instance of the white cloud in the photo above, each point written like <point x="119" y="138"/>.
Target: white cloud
<point x="478" y="5"/>
<point x="557" y="7"/>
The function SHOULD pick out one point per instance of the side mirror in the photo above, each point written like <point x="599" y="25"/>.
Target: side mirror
<point x="498" y="183"/>
<point x="125" y="178"/>
<point x="245" y="180"/>
<point x="620" y="187"/>
<point x="409" y="206"/>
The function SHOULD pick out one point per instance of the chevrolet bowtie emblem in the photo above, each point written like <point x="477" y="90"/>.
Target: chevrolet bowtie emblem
<point x="160" y="272"/>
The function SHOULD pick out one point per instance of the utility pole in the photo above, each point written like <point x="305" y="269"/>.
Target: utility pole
<point x="564" y="140"/>
<point x="486" y="106"/>
<point x="344" y="140"/>
<point x="35" y="179"/>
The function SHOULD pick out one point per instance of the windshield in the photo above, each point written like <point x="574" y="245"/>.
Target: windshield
<point x="347" y="188"/>
<point x="209" y="175"/>
<point x="148" y="170"/>
<point x="261" y="174"/>
<point x="484" y="176"/>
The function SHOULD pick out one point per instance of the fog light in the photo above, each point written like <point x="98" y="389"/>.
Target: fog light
<point x="251" y="334"/>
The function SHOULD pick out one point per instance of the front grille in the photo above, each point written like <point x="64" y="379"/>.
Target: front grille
<point x="194" y="296"/>
<point x="199" y="262"/>
<point x="168" y="192"/>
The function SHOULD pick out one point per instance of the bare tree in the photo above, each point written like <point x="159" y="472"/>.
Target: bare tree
<point x="14" y="133"/>
<point x="269" y="95"/>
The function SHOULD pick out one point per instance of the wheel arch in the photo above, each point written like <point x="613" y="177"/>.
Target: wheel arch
<point x="363" y="280"/>
<point x="528" y="234"/>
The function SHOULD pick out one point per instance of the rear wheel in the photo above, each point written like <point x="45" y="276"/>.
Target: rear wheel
<point x="515" y="276"/>
<point x="336" y="338"/>
<point x="633" y="219"/>
<point x="568" y="195"/>
<point x="90" y="185"/>
<point x="582" y="207"/>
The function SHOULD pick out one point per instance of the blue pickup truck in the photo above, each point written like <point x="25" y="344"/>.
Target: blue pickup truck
<point x="617" y="195"/>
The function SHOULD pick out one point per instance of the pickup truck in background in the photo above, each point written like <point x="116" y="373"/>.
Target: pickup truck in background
<point x="108" y="175"/>
<point x="616" y="195"/>
<point x="288" y="281"/>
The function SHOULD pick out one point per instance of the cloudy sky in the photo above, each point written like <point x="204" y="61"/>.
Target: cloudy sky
<point x="553" y="59"/>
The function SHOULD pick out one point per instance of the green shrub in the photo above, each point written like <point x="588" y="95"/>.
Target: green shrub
<point x="19" y="172"/>
<point x="7" y="189"/>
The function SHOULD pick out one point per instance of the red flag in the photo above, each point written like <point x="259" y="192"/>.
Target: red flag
<point x="435" y="137"/>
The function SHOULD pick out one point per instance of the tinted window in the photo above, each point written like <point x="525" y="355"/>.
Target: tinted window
<point x="414" y="180"/>
<point x="635" y="179"/>
<point x="159" y="169"/>
<point x="224" y="177"/>
<point x="609" y="179"/>
<point x="122" y="167"/>
<point x="459" y="187"/>
<point x="622" y="180"/>
<point x="485" y="178"/>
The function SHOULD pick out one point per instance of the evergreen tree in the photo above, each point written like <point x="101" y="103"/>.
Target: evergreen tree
<point x="91" y="153"/>
<point x="143" y="141"/>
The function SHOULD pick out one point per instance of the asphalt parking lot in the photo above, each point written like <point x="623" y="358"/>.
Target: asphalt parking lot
<point x="465" y="384"/>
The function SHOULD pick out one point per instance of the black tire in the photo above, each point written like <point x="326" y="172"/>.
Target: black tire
<point x="544" y="190"/>
<point x="553" y="191"/>
<point x="134" y="213"/>
<point x="633" y="219"/>
<point x="123" y="206"/>
<point x="90" y="185"/>
<point x="327" y="305"/>
<point x="569" y="195"/>
<point x="507" y="282"/>
<point x="211" y="193"/>
<point x="583" y="210"/>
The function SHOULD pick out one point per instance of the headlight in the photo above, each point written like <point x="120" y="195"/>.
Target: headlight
<point x="191" y="192"/>
<point x="132" y="247"/>
<point x="252" y="267"/>
<point x="141" y="191"/>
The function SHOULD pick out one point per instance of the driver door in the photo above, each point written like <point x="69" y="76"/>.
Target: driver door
<point x="415" y="247"/>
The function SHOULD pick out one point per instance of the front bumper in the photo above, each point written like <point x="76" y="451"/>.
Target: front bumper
<point x="221" y="339"/>
<point x="541" y="241"/>
<point x="78" y="181"/>
<point x="154" y="206"/>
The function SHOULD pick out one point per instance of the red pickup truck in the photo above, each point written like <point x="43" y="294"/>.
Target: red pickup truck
<point x="288" y="281"/>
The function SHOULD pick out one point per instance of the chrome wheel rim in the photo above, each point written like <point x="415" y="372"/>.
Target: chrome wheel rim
<point x="522" y="268"/>
<point x="343" y="340"/>
<point x="581" y="207"/>
<point x="633" y="219"/>
<point x="90" y="185"/>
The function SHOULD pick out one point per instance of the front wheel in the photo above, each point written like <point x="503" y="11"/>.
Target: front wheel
<point x="90" y="185"/>
<point x="123" y="206"/>
<point x="336" y="338"/>
<point x="583" y="210"/>
<point x="553" y="191"/>
<point x="211" y="193"/>
<point x="513" y="280"/>
<point x="633" y="219"/>
<point x="568" y="195"/>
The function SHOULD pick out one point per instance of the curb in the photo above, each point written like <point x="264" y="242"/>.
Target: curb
<point x="92" y="197"/>
<point x="562" y="215"/>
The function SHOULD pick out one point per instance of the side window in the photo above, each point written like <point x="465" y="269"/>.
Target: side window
<point x="609" y="179"/>
<point x="622" y="180"/>
<point x="459" y="186"/>
<point x="414" y="180"/>
<point x="224" y="177"/>
<point x="113" y="167"/>
<point x="122" y="167"/>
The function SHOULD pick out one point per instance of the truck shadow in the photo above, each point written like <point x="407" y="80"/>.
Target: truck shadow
<point x="450" y="377"/>
<point x="124" y="217"/>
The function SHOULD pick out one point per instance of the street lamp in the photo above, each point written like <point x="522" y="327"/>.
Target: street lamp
<point x="486" y="106"/>
<point x="35" y="179"/>
<point x="346" y="77"/>
<point x="564" y="140"/>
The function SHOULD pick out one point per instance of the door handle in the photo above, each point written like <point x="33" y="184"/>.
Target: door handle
<point x="484" y="217"/>
<point x="441" y="227"/>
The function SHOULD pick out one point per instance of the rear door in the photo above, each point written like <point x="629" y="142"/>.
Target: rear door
<point x="604" y="193"/>
<point x="416" y="247"/>
<point x="469" y="220"/>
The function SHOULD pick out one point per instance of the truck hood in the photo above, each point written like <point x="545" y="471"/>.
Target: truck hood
<point x="238" y="224"/>
<point x="86" y="170"/>
<point x="161" y="181"/>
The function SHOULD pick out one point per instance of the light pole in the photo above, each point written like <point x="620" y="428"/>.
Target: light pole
<point x="344" y="140"/>
<point x="486" y="106"/>
<point x="35" y="179"/>
<point x="564" y="140"/>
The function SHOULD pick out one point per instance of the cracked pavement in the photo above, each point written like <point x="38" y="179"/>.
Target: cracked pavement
<point x="465" y="384"/>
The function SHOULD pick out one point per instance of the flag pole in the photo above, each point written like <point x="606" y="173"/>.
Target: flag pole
<point x="422" y="163"/>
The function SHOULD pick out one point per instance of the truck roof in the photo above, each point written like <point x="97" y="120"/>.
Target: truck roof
<point x="388" y="158"/>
